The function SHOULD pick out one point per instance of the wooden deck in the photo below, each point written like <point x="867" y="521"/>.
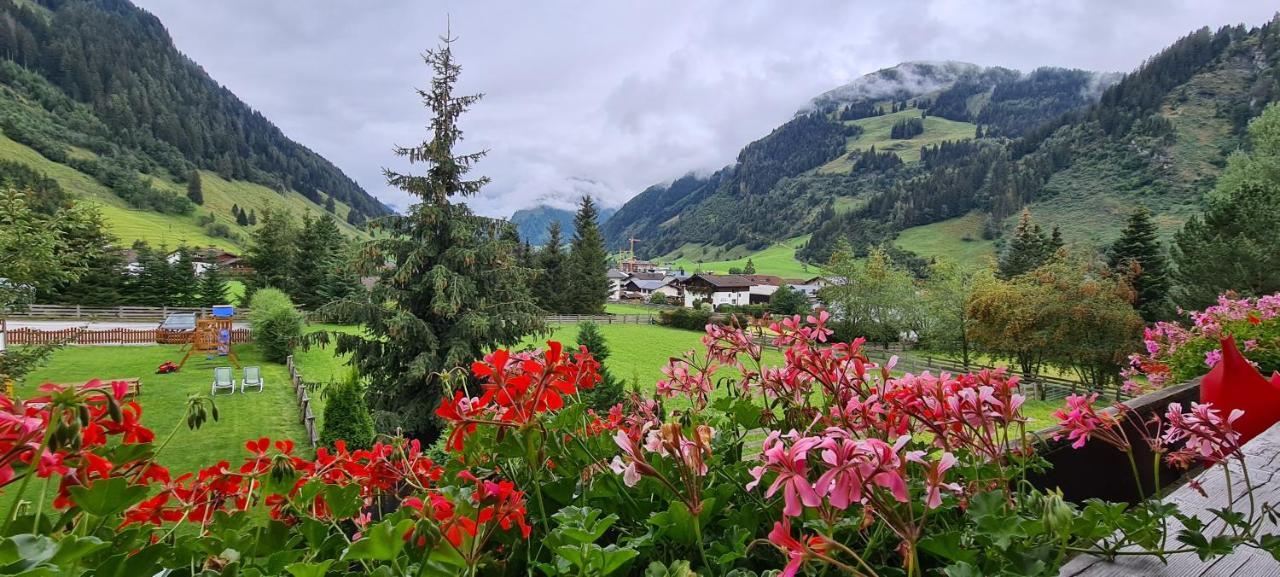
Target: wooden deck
<point x="1263" y="457"/>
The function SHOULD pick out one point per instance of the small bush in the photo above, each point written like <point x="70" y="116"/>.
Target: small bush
<point x="608" y="392"/>
<point x="276" y="323"/>
<point x="657" y="299"/>
<point x="346" y="416"/>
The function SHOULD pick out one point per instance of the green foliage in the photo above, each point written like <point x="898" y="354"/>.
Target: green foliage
<point x="1073" y="314"/>
<point x="608" y="392"/>
<point x="788" y="301"/>
<point x="195" y="190"/>
<point x="275" y="322"/>
<point x="213" y="287"/>
<point x="1235" y="245"/>
<point x="273" y="252"/>
<point x="657" y="298"/>
<point x="750" y="268"/>
<point x="946" y="300"/>
<point x="449" y="287"/>
<point x="552" y="286"/>
<point x="588" y="262"/>
<point x="346" y="415"/>
<point x="1139" y="255"/>
<point x="320" y="265"/>
<point x="42" y="252"/>
<point x="869" y="298"/>
<point x="1029" y="248"/>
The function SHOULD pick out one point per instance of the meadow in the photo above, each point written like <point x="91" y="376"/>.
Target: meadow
<point x="957" y="240"/>
<point x="778" y="259"/>
<point x="129" y="224"/>
<point x="876" y="131"/>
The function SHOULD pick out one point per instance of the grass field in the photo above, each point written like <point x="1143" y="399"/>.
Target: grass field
<point x="629" y="309"/>
<point x="129" y="224"/>
<point x="779" y="259"/>
<point x="876" y="130"/>
<point x="958" y="240"/>
<point x="271" y="413"/>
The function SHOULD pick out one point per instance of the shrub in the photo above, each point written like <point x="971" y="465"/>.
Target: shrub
<point x="276" y="323"/>
<point x="657" y="299"/>
<point x="346" y="415"/>
<point x="607" y="392"/>
<point x="688" y="319"/>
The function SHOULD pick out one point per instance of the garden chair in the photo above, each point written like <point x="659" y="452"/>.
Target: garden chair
<point x="222" y="380"/>
<point x="252" y="378"/>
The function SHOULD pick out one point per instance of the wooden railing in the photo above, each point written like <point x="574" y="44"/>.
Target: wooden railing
<point x="305" y="414"/>
<point x="77" y="312"/>
<point x="601" y="319"/>
<point x="113" y="336"/>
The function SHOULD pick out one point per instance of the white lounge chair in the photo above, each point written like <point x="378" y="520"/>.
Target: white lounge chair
<point x="222" y="381"/>
<point x="252" y="378"/>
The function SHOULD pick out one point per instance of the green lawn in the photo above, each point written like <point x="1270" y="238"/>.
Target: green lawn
<point x="958" y="240"/>
<point x="271" y="413"/>
<point x="629" y="309"/>
<point x="779" y="260"/>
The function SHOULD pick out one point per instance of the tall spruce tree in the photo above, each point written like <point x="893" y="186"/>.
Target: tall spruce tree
<point x="608" y="392"/>
<point x="1139" y="255"/>
<point x="588" y="263"/>
<point x="213" y="289"/>
<point x="329" y="205"/>
<point x="272" y="252"/>
<point x="1028" y="249"/>
<point x="195" y="189"/>
<point x="551" y="288"/>
<point x="318" y="261"/>
<point x="750" y="268"/>
<point x="448" y="287"/>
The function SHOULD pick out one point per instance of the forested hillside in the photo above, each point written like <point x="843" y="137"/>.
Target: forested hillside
<point x="98" y="90"/>
<point x="929" y="142"/>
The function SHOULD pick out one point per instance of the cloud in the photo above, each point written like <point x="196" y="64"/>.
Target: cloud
<point x="607" y="98"/>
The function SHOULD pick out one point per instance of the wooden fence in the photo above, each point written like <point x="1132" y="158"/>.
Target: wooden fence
<point x="1038" y="386"/>
<point x="76" y="312"/>
<point x="114" y="336"/>
<point x="601" y="319"/>
<point x="305" y="414"/>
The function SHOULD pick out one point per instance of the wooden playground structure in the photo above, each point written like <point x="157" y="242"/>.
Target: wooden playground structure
<point x="212" y="338"/>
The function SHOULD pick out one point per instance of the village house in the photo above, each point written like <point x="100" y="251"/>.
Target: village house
<point x="616" y="278"/>
<point x="717" y="289"/>
<point x="644" y="288"/>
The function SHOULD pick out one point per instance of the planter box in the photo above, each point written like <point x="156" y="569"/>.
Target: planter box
<point x="1098" y="470"/>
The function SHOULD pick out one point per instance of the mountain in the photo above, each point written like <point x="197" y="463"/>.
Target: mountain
<point x="94" y="94"/>
<point x="934" y="155"/>
<point x="532" y="223"/>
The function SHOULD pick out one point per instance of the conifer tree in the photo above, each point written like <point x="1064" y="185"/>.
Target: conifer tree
<point x="1138" y="254"/>
<point x="551" y="288"/>
<point x="330" y="205"/>
<point x="272" y="252"/>
<point x="1028" y="249"/>
<point x="608" y="392"/>
<point x="1235" y="244"/>
<point x="588" y="263"/>
<point x="750" y="268"/>
<point x="241" y="218"/>
<point x="448" y="289"/>
<point x="195" y="190"/>
<point x="213" y="287"/>
<point x="253" y="217"/>
<point x="186" y="286"/>
<point x="318" y="261"/>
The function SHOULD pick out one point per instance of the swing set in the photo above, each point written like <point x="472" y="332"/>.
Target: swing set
<point x="212" y="338"/>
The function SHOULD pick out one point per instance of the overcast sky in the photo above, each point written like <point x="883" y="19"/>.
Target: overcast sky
<point x="609" y="97"/>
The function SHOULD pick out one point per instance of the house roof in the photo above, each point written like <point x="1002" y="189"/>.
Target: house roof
<point x="764" y="279"/>
<point x="615" y="273"/>
<point x="721" y="281"/>
<point x="647" y="285"/>
<point x="647" y="275"/>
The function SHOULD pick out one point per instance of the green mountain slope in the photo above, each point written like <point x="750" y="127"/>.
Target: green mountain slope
<point x="532" y="223"/>
<point x="1080" y="149"/>
<point x="94" y="95"/>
